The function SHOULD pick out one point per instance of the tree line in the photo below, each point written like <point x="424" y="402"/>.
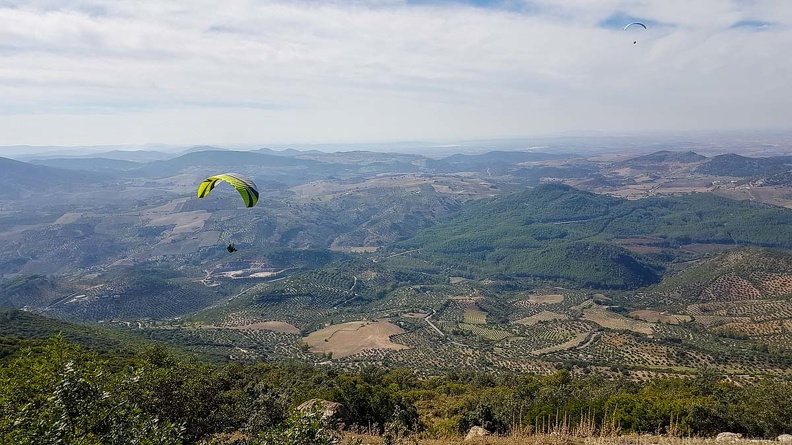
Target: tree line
<point x="59" y="392"/>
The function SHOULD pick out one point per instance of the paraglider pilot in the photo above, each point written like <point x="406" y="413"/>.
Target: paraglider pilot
<point x="231" y="248"/>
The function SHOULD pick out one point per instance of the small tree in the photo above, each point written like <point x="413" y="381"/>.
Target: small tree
<point x="302" y="428"/>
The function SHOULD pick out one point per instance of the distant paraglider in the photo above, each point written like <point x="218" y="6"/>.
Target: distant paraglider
<point x="634" y="24"/>
<point x="244" y="185"/>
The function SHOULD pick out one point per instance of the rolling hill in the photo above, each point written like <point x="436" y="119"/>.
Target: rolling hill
<point x="742" y="166"/>
<point x="740" y="274"/>
<point x="460" y="264"/>
<point x="96" y="164"/>
<point x="21" y="329"/>
<point x="665" y="156"/>
<point x="120" y="294"/>
<point x="498" y="162"/>
<point x="558" y="232"/>
<point x="218" y="160"/>
<point x="23" y="179"/>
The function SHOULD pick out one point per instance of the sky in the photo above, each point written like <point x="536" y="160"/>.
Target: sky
<point x="85" y="72"/>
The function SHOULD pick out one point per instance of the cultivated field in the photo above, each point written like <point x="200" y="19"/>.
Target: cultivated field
<point x="350" y="338"/>
<point x="612" y="320"/>
<point x="541" y="316"/>
<point x="274" y="326"/>
<point x="546" y="298"/>
<point x="456" y="185"/>
<point x="475" y="316"/>
<point x="660" y="317"/>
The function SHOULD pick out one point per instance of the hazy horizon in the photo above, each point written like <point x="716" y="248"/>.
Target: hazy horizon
<point x="765" y="143"/>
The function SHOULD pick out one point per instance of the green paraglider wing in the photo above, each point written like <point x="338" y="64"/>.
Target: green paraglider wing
<point x="244" y="185"/>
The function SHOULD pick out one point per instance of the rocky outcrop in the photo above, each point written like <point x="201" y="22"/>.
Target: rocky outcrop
<point x="728" y="437"/>
<point x="329" y="410"/>
<point x="475" y="432"/>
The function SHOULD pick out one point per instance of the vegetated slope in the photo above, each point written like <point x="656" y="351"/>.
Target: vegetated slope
<point x="130" y="293"/>
<point x="20" y="179"/>
<point x="138" y="156"/>
<point x="19" y="329"/>
<point x="555" y="231"/>
<point x="496" y="162"/>
<point x="534" y="175"/>
<point x="743" y="294"/>
<point x="207" y="402"/>
<point x="736" y="165"/>
<point x="32" y="290"/>
<point x="665" y="156"/>
<point x="56" y="248"/>
<point x="783" y="178"/>
<point x="88" y="164"/>
<point x="192" y="229"/>
<point x="740" y="274"/>
<point x="306" y="299"/>
<point x="397" y="162"/>
<point x="224" y="158"/>
<point x="662" y="162"/>
<point x="470" y="324"/>
<point x="263" y="166"/>
<point x="371" y="217"/>
<point x="267" y="170"/>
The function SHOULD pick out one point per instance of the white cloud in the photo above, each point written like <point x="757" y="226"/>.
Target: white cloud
<point x="194" y="71"/>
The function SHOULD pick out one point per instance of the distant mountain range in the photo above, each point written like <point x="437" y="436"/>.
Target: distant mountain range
<point x="292" y="166"/>
<point x="21" y="178"/>
<point x="89" y="164"/>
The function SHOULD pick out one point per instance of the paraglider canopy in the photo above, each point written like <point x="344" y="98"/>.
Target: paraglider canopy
<point x="244" y="185"/>
<point x="637" y="24"/>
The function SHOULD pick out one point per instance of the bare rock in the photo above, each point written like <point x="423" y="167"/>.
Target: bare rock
<point x="728" y="437"/>
<point x="329" y="410"/>
<point x="785" y="438"/>
<point x="476" y="431"/>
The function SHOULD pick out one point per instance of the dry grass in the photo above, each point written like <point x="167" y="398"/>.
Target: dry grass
<point x="414" y="315"/>
<point x="346" y="339"/>
<point x="612" y="320"/>
<point x="660" y="317"/>
<point x="274" y="326"/>
<point x="546" y="299"/>
<point x="558" y="439"/>
<point x="541" y="316"/>
<point x="68" y="218"/>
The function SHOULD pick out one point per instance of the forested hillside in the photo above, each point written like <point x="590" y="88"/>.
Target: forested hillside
<point x="558" y="232"/>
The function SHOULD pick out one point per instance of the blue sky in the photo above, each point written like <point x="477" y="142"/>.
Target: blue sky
<point x="254" y="71"/>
